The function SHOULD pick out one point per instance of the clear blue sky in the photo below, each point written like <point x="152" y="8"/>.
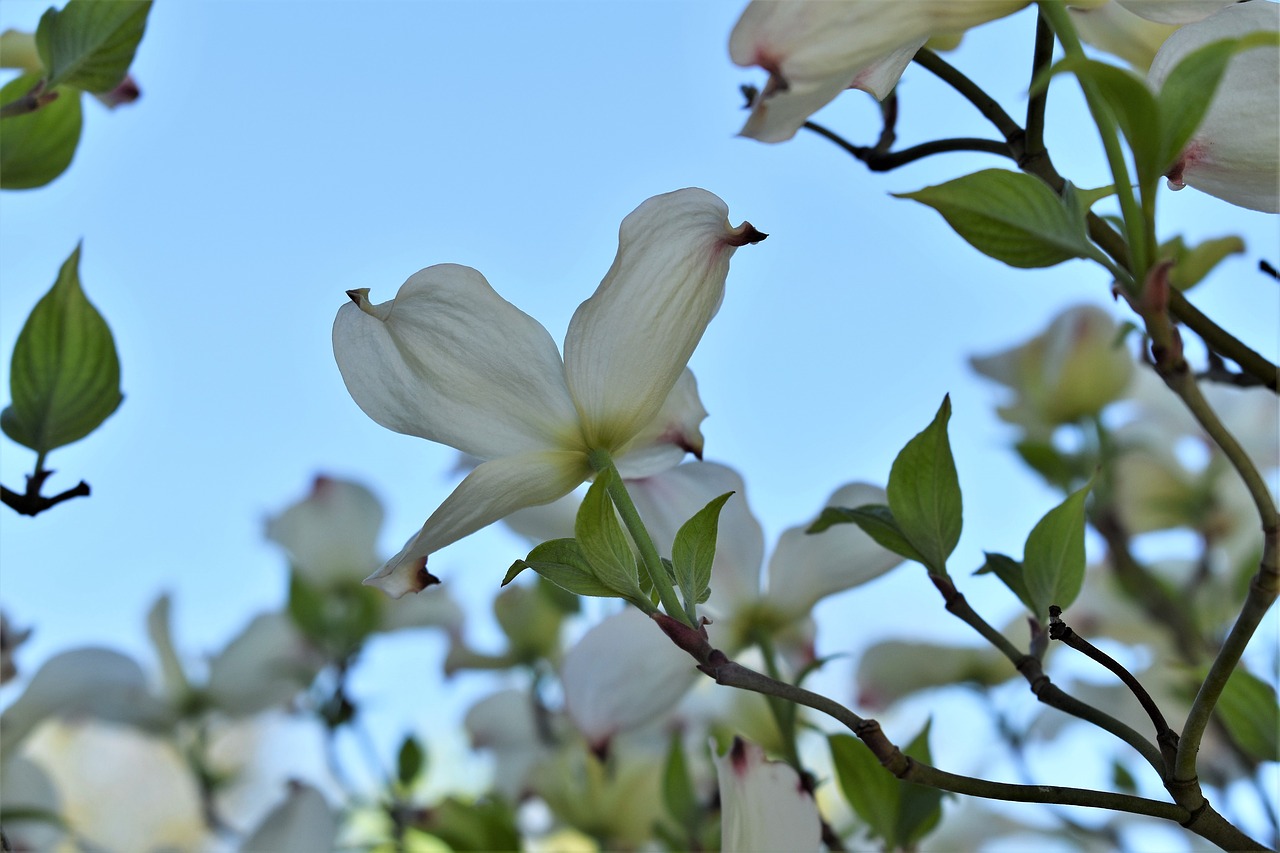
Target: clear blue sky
<point x="285" y="152"/>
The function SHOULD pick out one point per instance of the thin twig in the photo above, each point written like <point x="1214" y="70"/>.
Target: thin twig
<point x="31" y="502"/>
<point x="1165" y="736"/>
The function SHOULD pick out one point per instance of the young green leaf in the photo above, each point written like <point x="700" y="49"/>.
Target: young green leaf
<point x="1009" y="216"/>
<point x="900" y="813"/>
<point x="924" y="493"/>
<point x="921" y="808"/>
<point x="603" y="541"/>
<point x="90" y="44"/>
<point x="65" y="375"/>
<point x="410" y="761"/>
<point x="1053" y="560"/>
<point x="37" y="147"/>
<point x="1010" y="572"/>
<point x="678" y="792"/>
<point x="561" y="562"/>
<point x="1249" y="712"/>
<point x="875" y="520"/>
<point x="1190" y="266"/>
<point x="1134" y="107"/>
<point x="694" y="550"/>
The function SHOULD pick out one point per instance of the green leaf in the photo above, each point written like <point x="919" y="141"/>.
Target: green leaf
<point x="485" y="825"/>
<point x="924" y="493"/>
<point x="875" y="520"/>
<point x="410" y="761"/>
<point x="603" y="541"/>
<point x="921" y="807"/>
<point x="1134" y="107"/>
<point x="1191" y="266"/>
<point x="1053" y="560"/>
<point x="90" y="44"/>
<point x="1247" y="707"/>
<point x="1047" y="461"/>
<point x="694" y="550"/>
<point x="1010" y="572"/>
<point x="1009" y="216"/>
<point x="678" y="792"/>
<point x="562" y="563"/>
<point x="900" y="813"/>
<point x="37" y="147"/>
<point x="871" y="790"/>
<point x="65" y="375"/>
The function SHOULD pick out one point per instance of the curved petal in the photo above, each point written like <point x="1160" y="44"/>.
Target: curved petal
<point x="808" y="567"/>
<point x="628" y="344"/>
<point x="332" y="534"/>
<point x="622" y="674"/>
<point x="1118" y="31"/>
<point x="814" y="49"/>
<point x="303" y="822"/>
<point x="673" y="432"/>
<point x="493" y="490"/>
<point x="668" y="500"/>
<point x="451" y="361"/>
<point x="1233" y="154"/>
<point x="763" y="806"/>
<point x="1175" y="12"/>
<point x="268" y="663"/>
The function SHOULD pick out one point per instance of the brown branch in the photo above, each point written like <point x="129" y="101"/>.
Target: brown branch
<point x="31" y="502"/>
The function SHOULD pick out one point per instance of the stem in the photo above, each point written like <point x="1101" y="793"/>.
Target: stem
<point x="1165" y="736"/>
<point x="1040" y="59"/>
<point x="972" y="92"/>
<point x="1041" y="686"/>
<point x="1141" y="240"/>
<point x="1203" y="821"/>
<point x="878" y="161"/>
<point x="601" y="461"/>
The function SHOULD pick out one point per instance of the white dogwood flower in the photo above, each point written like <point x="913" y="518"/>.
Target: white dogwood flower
<point x="451" y="361"/>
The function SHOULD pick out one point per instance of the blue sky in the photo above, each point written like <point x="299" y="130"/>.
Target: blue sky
<point x="285" y="152"/>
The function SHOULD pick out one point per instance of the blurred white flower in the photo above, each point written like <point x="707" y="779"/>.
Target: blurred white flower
<point x="815" y="49"/>
<point x="119" y="789"/>
<point x="622" y="674"/>
<point x="302" y="823"/>
<point x="451" y="361"/>
<point x="803" y="568"/>
<point x="1069" y="371"/>
<point x="331" y="536"/>
<point x="763" y="806"/>
<point x="1235" y="153"/>
<point x="1117" y="30"/>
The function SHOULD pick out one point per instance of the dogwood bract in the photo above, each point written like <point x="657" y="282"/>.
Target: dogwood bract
<point x="451" y="361"/>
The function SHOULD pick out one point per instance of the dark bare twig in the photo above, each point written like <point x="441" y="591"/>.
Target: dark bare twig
<point x="1166" y="737"/>
<point x="31" y="502"/>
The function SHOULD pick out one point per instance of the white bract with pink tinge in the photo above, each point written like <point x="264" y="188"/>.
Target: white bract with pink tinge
<point x="451" y="361"/>
<point x="1235" y="153"/>
<point x="815" y="49"/>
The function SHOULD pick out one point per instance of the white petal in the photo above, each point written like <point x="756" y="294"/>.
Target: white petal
<point x="672" y="433"/>
<point x="432" y="609"/>
<point x="332" y="535"/>
<point x="668" y="500"/>
<point x="504" y="724"/>
<point x="623" y="673"/>
<point x="628" y="344"/>
<point x="807" y="567"/>
<point x="92" y="682"/>
<point x="302" y="823"/>
<point x="763" y="805"/>
<point x="815" y="49"/>
<point x="1118" y="31"/>
<point x="1235" y="153"/>
<point x="451" y="361"/>
<point x="1176" y="12"/>
<point x="267" y="664"/>
<point x="493" y="490"/>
